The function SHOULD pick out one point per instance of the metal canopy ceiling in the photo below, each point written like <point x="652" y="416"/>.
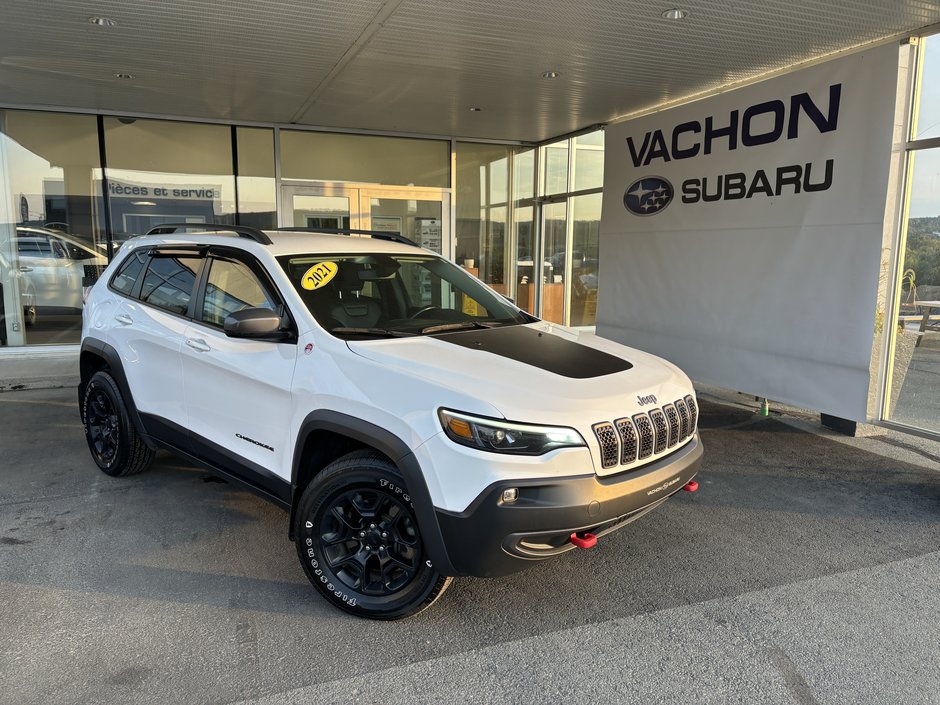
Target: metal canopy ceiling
<point x="418" y="66"/>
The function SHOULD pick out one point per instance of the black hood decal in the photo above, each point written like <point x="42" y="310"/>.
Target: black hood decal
<point x="540" y="349"/>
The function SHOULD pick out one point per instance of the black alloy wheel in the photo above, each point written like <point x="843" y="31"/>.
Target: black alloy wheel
<point x="359" y="542"/>
<point x="104" y="429"/>
<point x="115" y="445"/>
<point x="370" y="541"/>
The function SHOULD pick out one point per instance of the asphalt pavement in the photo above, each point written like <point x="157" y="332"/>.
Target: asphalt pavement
<point x="805" y="570"/>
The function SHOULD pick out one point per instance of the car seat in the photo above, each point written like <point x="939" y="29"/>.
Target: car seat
<point x="350" y="308"/>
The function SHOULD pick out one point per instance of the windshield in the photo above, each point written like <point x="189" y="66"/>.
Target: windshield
<point x="382" y="295"/>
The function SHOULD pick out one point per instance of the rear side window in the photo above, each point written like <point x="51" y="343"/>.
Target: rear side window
<point x="231" y="286"/>
<point x="169" y="282"/>
<point x="129" y="272"/>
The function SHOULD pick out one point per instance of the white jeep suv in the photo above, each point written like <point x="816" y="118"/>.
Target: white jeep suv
<point x="415" y="424"/>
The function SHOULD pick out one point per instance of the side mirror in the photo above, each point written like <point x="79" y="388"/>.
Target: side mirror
<point x="257" y="323"/>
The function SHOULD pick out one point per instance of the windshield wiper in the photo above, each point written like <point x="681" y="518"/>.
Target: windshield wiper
<point x="372" y="331"/>
<point x="456" y="326"/>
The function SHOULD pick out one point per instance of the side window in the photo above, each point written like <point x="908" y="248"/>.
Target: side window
<point x="129" y="272"/>
<point x="232" y="286"/>
<point x="169" y="281"/>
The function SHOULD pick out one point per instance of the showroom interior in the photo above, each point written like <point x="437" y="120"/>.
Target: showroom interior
<point x="483" y="143"/>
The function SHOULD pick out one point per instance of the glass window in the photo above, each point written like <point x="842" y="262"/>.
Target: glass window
<point x="230" y="287"/>
<point x="168" y="283"/>
<point x="257" y="191"/>
<point x="127" y="275"/>
<point x="394" y="295"/>
<point x="168" y="172"/>
<point x="483" y="246"/>
<point x="586" y="218"/>
<point x="324" y="156"/>
<point x="523" y="174"/>
<point x="915" y="393"/>
<point x="554" y="229"/>
<point x="555" y="157"/>
<point x="928" y="115"/>
<point x="525" y="227"/>
<point x="589" y="161"/>
<point x="50" y="227"/>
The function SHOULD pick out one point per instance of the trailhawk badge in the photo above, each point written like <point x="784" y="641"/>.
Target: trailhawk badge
<point x="648" y="196"/>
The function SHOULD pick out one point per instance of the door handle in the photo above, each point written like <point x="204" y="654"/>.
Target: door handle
<point x="123" y="319"/>
<point x="198" y="344"/>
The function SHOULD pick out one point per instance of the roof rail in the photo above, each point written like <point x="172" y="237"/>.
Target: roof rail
<point x="240" y="230"/>
<point x="377" y="234"/>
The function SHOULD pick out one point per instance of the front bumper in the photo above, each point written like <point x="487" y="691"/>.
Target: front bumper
<point x="495" y="538"/>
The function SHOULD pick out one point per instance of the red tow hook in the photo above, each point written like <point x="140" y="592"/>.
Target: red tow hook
<point x="692" y="486"/>
<point x="583" y="539"/>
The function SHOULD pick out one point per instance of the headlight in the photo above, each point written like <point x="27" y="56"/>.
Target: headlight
<point x="502" y="437"/>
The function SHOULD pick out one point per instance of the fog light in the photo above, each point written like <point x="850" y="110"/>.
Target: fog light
<point x="510" y="495"/>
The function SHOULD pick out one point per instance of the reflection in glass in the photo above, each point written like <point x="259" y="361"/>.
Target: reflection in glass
<point x="928" y="114"/>
<point x="167" y="172"/>
<point x="369" y="159"/>
<point x="586" y="217"/>
<point x="314" y="211"/>
<point x="915" y="371"/>
<point x="482" y="194"/>
<point x="524" y="224"/>
<point x="555" y="157"/>
<point x="257" y="191"/>
<point x="51" y="240"/>
<point x="523" y="174"/>
<point x="554" y="229"/>
<point x="415" y="219"/>
<point x="589" y="161"/>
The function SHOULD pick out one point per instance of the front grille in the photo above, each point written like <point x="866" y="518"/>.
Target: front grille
<point x="610" y="446"/>
<point x="662" y="432"/>
<point x="672" y="418"/>
<point x="630" y="439"/>
<point x="683" y="410"/>
<point x="693" y="413"/>
<point x="645" y="428"/>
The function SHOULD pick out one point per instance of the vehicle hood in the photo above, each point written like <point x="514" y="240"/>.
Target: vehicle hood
<point x="537" y="373"/>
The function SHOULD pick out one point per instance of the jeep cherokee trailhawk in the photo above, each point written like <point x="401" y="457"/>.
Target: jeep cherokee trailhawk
<point x="415" y="423"/>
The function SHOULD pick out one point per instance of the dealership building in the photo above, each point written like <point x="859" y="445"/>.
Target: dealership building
<point x="751" y="191"/>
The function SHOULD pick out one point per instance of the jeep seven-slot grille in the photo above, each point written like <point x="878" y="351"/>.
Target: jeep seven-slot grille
<point x="645" y="428"/>
<point x="672" y="418"/>
<point x="693" y="412"/>
<point x="610" y="446"/>
<point x="662" y="432"/>
<point x="683" y="410"/>
<point x="627" y="440"/>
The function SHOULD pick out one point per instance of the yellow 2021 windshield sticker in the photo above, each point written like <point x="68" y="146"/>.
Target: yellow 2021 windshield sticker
<point x="319" y="275"/>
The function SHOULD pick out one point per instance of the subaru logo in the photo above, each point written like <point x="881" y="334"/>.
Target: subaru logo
<point x="648" y="196"/>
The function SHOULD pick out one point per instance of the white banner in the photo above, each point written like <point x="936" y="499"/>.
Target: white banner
<point x="741" y="234"/>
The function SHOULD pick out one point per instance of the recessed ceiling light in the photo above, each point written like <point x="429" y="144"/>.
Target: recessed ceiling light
<point x="675" y="14"/>
<point x="125" y="76"/>
<point x="143" y="203"/>
<point x="102" y="21"/>
<point x="476" y="110"/>
<point x="550" y="74"/>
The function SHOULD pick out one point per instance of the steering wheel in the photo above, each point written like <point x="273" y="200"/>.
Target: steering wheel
<point x="422" y="310"/>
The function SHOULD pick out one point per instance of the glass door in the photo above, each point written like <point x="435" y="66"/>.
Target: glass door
<point x="418" y="215"/>
<point x="320" y="207"/>
<point x="422" y="215"/>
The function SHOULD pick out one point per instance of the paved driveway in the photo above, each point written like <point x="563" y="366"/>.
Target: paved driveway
<point x="805" y="570"/>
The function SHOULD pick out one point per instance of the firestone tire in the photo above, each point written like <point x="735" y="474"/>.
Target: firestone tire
<point x="359" y="543"/>
<point x="115" y="446"/>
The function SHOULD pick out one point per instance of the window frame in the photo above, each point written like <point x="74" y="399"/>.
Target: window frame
<point x="155" y="252"/>
<point x="221" y="252"/>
